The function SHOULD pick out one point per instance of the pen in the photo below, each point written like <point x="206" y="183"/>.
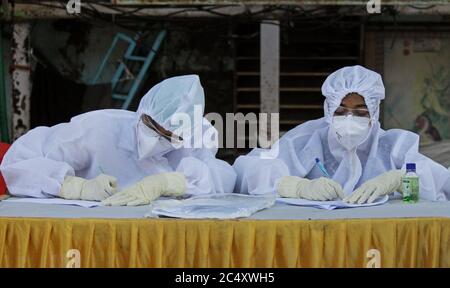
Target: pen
<point x="322" y="168"/>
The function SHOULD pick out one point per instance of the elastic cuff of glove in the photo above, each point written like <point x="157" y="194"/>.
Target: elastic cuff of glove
<point x="176" y="185"/>
<point x="71" y="187"/>
<point x="287" y="186"/>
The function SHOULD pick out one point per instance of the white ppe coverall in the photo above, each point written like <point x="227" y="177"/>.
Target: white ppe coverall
<point x="106" y="141"/>
<point x="294" y="154"/>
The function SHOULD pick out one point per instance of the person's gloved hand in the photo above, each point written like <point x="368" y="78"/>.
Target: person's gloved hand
<point x="320" y="189"/>
<point x="384" y="184"/>
<point x="148" y="189"/>
<point x="97" y="189"/>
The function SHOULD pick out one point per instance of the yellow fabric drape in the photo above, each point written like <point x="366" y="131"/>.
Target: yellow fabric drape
<point x="402" y="242"/>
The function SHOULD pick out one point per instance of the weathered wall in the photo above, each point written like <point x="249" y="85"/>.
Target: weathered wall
<point x="77" y="48"/>
<point x="7" y="58"/>
<point x="417" y="80"/>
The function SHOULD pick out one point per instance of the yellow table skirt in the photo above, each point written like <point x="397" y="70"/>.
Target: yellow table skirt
<point x="402" y="242"/>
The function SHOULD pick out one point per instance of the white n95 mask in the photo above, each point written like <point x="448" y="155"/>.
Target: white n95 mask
<point x="151" y="143"/>
<point x="350" y="131"/>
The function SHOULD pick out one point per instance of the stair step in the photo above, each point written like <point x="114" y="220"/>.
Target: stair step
<point x="135" y="58"/>
<point x="119" y="96"/>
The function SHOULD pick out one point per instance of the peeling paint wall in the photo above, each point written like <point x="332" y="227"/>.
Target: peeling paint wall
<point x="21" y="79"/>
<point x="201" y="48"/>
<point x="76" y="49"/>
<point x="7" y="58"/>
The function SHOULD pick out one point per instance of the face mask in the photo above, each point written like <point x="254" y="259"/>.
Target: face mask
<point x="151" y="143"/>
<point x="350" y="131"/>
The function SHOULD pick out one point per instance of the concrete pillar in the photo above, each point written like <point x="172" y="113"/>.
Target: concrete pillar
<point x="270" y="75"/>
<point x="21" y="81"/>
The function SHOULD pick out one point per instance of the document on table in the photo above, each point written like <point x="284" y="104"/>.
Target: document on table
<point x="54" y="201"/>
<point x="330" y="205"/>
<point x="212" y="206"/>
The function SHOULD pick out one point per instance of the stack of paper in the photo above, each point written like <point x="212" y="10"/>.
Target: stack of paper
<point x="216" y="206"/>
<point x="330" y="205"/>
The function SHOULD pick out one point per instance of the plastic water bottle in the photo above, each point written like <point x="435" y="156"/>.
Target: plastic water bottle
<point x="410" y="183"/>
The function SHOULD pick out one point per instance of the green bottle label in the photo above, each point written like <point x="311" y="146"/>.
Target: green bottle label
<point x="410" y="189"/>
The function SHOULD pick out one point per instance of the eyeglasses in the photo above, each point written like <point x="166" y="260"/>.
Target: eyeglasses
<point x="343" y="111"/>
<point x="149" y="122"/>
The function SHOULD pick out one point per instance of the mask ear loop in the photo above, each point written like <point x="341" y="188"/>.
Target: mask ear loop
<point x="369" y="133"/>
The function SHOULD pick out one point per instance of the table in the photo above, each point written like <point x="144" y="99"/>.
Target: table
<point x="406" y="235"/>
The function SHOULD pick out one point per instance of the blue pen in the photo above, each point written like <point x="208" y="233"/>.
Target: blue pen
<point x="322" y="168"/>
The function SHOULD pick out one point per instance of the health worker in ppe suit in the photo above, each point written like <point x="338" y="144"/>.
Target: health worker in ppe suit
<point x="141" y="154"/>
<point x="362" y="160"/>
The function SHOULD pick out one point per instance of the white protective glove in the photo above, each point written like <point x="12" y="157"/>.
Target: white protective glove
<point x="320" y="189"/>
<point x="384" y="184"/>
<point x="148" y="189"/>
<point x="97" y="189"/>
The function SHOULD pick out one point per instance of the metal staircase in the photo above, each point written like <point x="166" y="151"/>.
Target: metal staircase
<point x="132" y="67"/>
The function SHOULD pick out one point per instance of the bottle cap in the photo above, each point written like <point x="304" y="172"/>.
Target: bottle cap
<point x="410" y="166"/>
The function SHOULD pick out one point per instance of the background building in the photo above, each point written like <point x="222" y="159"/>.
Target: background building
<point x="252" y="56"/>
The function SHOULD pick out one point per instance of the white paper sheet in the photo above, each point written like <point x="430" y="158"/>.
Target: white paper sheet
<point x="212" y="206"/>
<point x="329" y="205"/>
<point x="54" y="201"/>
